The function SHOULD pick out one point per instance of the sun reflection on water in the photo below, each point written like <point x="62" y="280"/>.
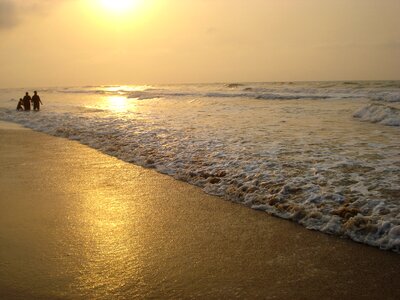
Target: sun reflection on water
<point x="116" y="98"/>
<point x="117" y="103"/>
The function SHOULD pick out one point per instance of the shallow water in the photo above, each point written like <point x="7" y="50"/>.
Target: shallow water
<point x="299" y="154"/>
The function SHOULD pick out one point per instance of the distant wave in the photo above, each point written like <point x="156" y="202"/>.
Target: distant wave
<point x="377" y="91"/>
<point x="386" y="97"/>
<point x="244" y="94"/>
<point x="382" y="91"/>
<point x="234" y="85"/>
<point x="84" y="91"/>
<point x="291" y="97"/>
<point x="379" y="113"/>
<point x="157" y="93"/>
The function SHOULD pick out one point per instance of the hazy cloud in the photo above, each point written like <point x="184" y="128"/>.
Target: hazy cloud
<point x="8" y="14"/>
<point x="393" y="45"/>
<point x="12" y="11"/>
<point x="211" y="30"/>
<point x="359" y="45"/>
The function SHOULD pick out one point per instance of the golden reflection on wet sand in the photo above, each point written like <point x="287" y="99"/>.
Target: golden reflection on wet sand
<point x="110" y="251"/>
<point x="105" y="231"/>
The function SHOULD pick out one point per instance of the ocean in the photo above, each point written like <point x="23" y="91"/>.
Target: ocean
<point x="325" y="155"/>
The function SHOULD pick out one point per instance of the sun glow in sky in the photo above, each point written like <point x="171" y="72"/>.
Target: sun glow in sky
<point x="119" y="6"/>
<point x="114" y="42"/>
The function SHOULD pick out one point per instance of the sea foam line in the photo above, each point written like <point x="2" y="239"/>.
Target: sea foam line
<point x="334" y="196"/>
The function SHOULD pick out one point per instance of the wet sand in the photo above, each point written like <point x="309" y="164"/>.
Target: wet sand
<point x="78" y="224"/>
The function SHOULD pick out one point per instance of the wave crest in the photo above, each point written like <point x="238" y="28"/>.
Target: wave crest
<point x="379" y="113"/>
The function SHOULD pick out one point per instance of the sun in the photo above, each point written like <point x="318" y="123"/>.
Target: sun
<point x="119" y="6"/>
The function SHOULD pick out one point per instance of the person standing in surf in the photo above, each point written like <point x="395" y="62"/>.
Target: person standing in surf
<point x="36" y="101"/>
<point x="27" y="101"/>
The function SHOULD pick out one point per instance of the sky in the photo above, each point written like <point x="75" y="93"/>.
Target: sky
<point x="91" y="42"/>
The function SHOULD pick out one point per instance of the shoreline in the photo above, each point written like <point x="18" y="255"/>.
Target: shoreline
<point x="77" y="223"/>
<point x="325" y="177"/>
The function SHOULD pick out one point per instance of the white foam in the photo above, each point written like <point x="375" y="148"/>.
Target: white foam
<point x="379" y="113"/>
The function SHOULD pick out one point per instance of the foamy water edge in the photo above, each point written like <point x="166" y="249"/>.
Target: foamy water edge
<point x="280" y="192"/>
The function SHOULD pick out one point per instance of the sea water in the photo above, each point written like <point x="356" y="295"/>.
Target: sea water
<point x="323" y="154"/>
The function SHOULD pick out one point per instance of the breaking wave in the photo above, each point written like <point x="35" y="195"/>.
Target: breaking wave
<point x="379" y="113"/>
<point x="385" y="91"/>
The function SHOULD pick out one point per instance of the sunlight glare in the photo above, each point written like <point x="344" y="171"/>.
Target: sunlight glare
<point x="117" y="103"/>
<point x="119" y="6"/>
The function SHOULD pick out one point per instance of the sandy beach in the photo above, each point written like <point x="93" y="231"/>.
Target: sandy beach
<point x="78" y="224"/>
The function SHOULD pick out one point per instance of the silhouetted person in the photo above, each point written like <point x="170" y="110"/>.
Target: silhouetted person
<point x="20" y="104"/>
<point x="27" y="101"/>
<point x="36" y="101"/>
